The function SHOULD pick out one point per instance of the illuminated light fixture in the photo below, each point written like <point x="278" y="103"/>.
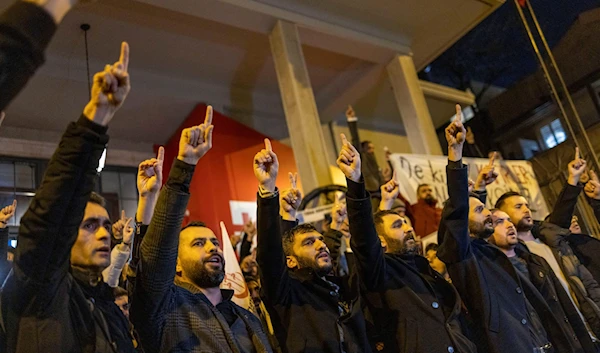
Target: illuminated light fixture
<point x="102" y="161"/>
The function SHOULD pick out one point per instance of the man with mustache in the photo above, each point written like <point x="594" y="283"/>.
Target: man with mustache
<point x="177" y="302"/>
<point x="410" y="307"/>
<point x="310" y="310"/>
<point x="55" y="299"/>
<point x="535" y="269"/>
<point x="552" y="245"/>
<point x="503" y="318"/>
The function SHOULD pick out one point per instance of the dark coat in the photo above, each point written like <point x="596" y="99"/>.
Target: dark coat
<point x="488" y="283"/>
<point x="581" y="281"/>
<point x="587" y="247"/>
<point x="405" y="311"/>
<point x="175" y="316"/>
<point x="543" y="278"/>
<point x="303" y="307"/>
<point x="25" y="32"/>
<point x="44" y="308"/>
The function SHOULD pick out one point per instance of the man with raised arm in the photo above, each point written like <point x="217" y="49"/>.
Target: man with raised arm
<point x="411" y="308"/>
<point x="55" y="299"/>
<point x="550" y="242"/>
<point x="504" y="317"/>
<point x="177" y="305"/>
<point x="26" y="29"/>
<point x="310" y="310"/>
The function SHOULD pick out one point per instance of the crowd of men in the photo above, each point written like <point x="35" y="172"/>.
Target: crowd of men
<point x="497" y="281"/>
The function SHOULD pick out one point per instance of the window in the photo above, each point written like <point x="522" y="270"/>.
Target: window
<point x="18" y="181"/>
<point x="553" y="134"/>
<point x="119" y="187"/>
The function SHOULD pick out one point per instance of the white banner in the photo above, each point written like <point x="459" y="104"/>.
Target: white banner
<point x="234" y="279"/>
<point x="413" y="170"/>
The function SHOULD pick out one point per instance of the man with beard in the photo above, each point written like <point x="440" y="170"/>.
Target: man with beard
<point x="587" y="247"/>
<point x="310" y="311"/>
<point x="552" y="244"/>
<point x="410" y="307"/>
<point x="503" y="318"/>
<point x="531" y="267"/>
<point x="55" y="299"/>
<point x="191" y="313"/>
<point x="425" y="214"/>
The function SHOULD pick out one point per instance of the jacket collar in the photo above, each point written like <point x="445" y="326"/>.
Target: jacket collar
<point x="553" y="235"/>
<point x="226" y="293"/>
<point x="307" y="275"/>
<point x="91" y="284"/>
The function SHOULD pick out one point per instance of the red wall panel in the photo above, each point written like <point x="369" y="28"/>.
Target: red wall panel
<point x="225" y="173"/>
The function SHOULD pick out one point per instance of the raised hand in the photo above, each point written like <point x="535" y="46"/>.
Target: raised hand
<point x="196" y="140"/>
<point x="291" y="198"/>
<point x="576" y="168"/>
<point x="390" y="190"/>
<point x="470" y="136"/>
<point x="350" y="114"/>
<point x="149" y="179"/>
<point x="128" y="232"/>
<point x="109" y="90"/>
<point x="249" y="230"/>
<point x="339" y="213"/>
<point x="349" y="160"/>
<point x="471" y="185"/>
<point x="266" y="167"/>
<point x="592" y="188"/>
<point x="455" y="136"/>
<point x="7" y="213"/>
<point x="487" y="175"/>
<point x="119" y="228"/>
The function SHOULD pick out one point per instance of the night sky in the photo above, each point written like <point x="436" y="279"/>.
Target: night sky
<point x="498" y="50"/>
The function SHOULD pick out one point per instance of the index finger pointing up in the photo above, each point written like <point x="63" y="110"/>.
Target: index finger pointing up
<point x="124" y="59"/>
<point x="492" y="159"/>
<point x="293" y="180"/>
<point x="344" y="139"/>
<point x="209" y="116"/>
<point x="161" y="154"/>
<point x="458" y="113"/>
<point x="268" y="146"/>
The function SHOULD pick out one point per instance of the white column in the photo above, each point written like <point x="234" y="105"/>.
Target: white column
<point x="300" y="107"/>
<point x="412" y="106"/>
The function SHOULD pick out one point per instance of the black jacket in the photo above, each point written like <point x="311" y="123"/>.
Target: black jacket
<point x="587" y="247"/>
<point x="410" y="307"/>
<point x="581" y="281"/>
<point x="176" y="316"/>
<point x="543" y="278"/>
<point x="44" y="307"/>
<point x="488" y="283"/>
<point x="25" y="32"/>
<point x="303" y="307"/>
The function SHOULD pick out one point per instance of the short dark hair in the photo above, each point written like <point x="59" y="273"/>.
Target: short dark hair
<point x="290" y="235"/>
<point x="502" y="200"/>
<point x="420" y="186"/>
<point x="364" y="145"/>
<point x="431" y="246"/>
<point x="378" y="220"/>
<point x="120" y="292"/>
<point x="97" y="199"/>
<point x="194" y="224"/>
